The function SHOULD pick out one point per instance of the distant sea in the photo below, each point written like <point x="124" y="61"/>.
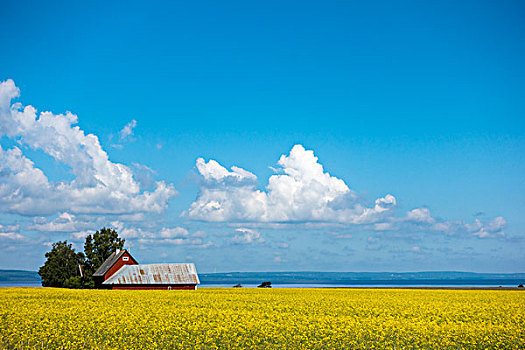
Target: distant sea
<point x="20" y="284"/>
<point x="17" y="278"/>
<point x="362" y="279"/>
<point x="480" y="284"/>
<point x="325" y="285"/>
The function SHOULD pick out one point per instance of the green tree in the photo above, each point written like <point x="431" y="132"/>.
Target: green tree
<point x="75" y="282"/>
<point x="97" y="248"/>
<point x="61" y="264"/>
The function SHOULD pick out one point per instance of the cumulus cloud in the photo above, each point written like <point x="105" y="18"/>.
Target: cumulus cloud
<point x="177" y="241"/>
<point x="174" y="232"/>
<point x="246" y="236"/>
<point x="99" y="185"/>
<point x="11" y="236"/>
<point x="490" y="229"/>
<point x="134" y="232"/>
<point x="163" y="236"/>
<point x="383" y="226"/>
<point x="421" y="219"/>
<point x="64" y="222"/>
<point x="80" y="236"/>
<point x="190" y="240"/>
<point x="420" y="215"/>
<point x="127" y="130"/>
<point x="214" y="173"/>
<point x="300" y="191"/>
<point x="9" y="228"/>
<point x="10" y="232"/>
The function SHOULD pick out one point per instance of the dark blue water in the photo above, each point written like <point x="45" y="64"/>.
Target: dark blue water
<point x="396" y="285"/>
<point x="480" y="283"/>
<point x="20" y="284"/>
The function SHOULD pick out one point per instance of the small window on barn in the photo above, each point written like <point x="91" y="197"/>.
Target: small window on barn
<point x="126" y="258"/>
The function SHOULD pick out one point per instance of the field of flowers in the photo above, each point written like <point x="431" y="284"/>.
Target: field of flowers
<point x="225" y="318"/>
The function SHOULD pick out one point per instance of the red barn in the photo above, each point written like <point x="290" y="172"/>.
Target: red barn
<point x="122" y="271"/>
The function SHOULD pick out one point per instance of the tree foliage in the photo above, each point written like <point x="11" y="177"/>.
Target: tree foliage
<point x="267" y="284"/>
<point x="61" y="265"/>
<point x="75" y="282"/>
<point x="98" y="247"/>
<point x="61" y="268"/>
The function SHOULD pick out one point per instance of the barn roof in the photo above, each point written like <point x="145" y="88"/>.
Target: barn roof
<point x="155" y="274"/>
<point x="110" y="261"/>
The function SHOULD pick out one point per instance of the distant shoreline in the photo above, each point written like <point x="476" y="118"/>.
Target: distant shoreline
<point x="311" y="279"/>
<point x="21" y="285"/>
<point x="436" y="288"/>
<point x="371" y="286"/>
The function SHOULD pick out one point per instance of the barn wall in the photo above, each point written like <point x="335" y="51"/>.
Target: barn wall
<point x="119" y="263"/>
<point x="143" y="287"/>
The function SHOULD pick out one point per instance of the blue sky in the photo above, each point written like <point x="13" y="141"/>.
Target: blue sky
<point x="364" y="137"/>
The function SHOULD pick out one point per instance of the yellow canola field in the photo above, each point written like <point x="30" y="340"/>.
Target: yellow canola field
<point x="227" y="318"/>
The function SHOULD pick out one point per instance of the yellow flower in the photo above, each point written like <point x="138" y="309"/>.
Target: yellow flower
<point x="224" y="318"/>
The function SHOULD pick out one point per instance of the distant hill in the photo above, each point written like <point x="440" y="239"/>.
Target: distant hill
<point x="356" y="278"/>
<point x="19" y="276"/>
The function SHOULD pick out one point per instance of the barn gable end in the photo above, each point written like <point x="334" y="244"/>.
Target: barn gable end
<point x="113" y="264"/>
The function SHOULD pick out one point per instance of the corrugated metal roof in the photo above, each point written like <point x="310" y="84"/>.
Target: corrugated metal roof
<point x="155" y="274"/>
<point x="101" y="271"/>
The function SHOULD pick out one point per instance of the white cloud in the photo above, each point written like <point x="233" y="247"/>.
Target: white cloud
<point x="200" y="234"/>
<point x="11" y="236"/>
<point x="189" y="241"/>
<point x="9" y="228"/>
<point x="339" y="235"/>
<point x="181" y="241"/>
<point x="303" y="191"/>
<point x="420" y="215"/>
<point x="117" y="225"/>
<point x="99" y="186"/>
<point x="246" y="236"/>
<point x="67" y="222"/>
<point x="382" y="206"/>
<point x="421" y="219"/>
<point x="64" y="222"/>
<point x="127" y="130"/>
<point x="163" y="236"/>
<point x="493" y="228"/>
<point x="175" y="232"/>
<point x="80" y="236"/>
<point x="383" y="226"/>
<point x="132" y="232"/>
<point x="213" y="172"/>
